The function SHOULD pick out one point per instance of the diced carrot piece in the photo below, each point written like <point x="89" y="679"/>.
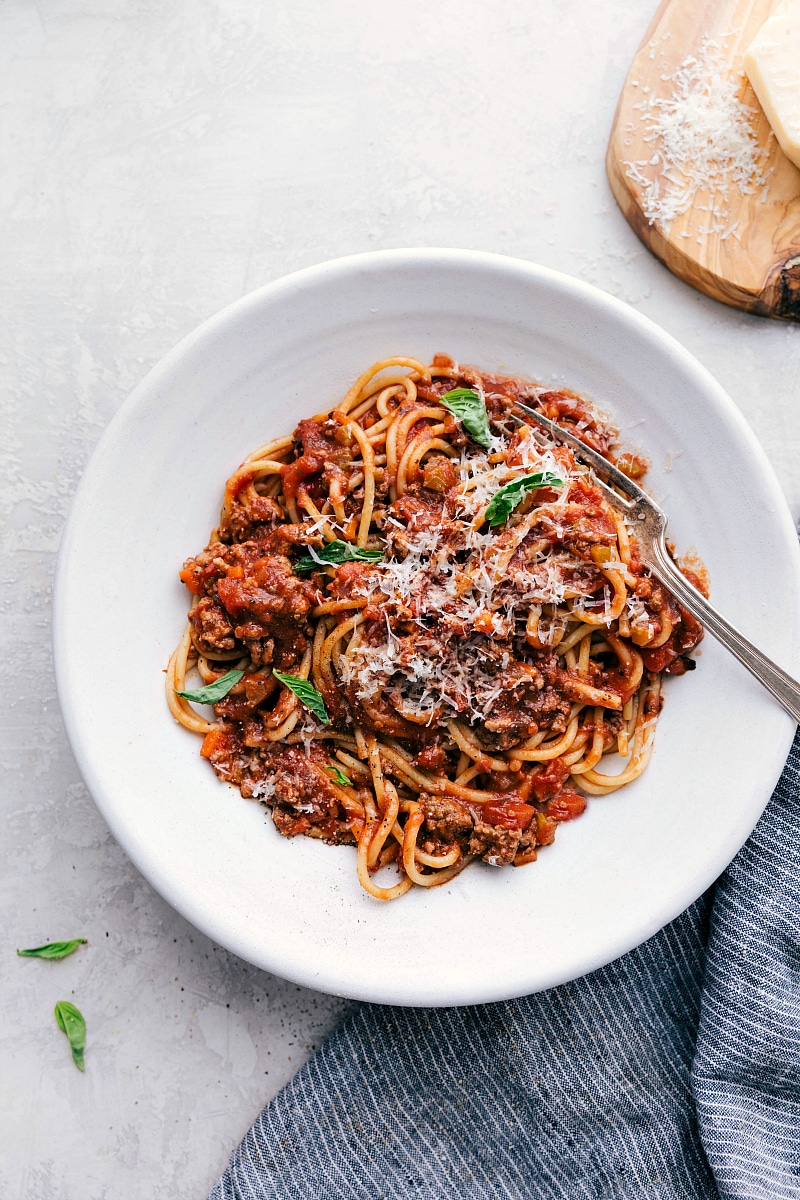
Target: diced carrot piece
<point x="190" y="577"/>
<point x="214" y="740"/>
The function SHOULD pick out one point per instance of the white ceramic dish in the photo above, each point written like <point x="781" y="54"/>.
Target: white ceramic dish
<point x="152" y="492"/>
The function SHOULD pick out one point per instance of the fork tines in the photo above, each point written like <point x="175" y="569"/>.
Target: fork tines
<point x="606" y="470"/>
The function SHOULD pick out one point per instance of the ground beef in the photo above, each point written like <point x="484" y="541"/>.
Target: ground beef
<point x="495" y="844"/>
<point x="262" y="651"/>
<point x="334" y="831"/>
<point x="288" y="822"/>
<point x="529" y="702"/>
<point x="299" y="784"/>
<point x="284" y="538"/>
<point x="445" y="818"/>
<point x="201" y="572"/>
<point x="273" y="589"/>
<point x="321" y="449"/>
<point x="527" y="839"/>
<point x="577" y="416"/>
<point x="319" y="441"/>
<point x="212" y="627"/>
<point x="300" y="794"/>
<point x="271" y="602"/>
<point x="419" y="508"/>
<point x="248" y="512"/>
<point x="352" y="579"/>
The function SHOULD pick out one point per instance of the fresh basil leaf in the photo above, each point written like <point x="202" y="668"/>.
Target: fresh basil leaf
<point x="53" y="949"/>
<point x="334" y="553"/>
<point x="506" y="499"/>
<point x="215" y="691"/>
<point x="470" y="408"/>
<point x="339" y="776"/>
<point x="71" y="1021"/>
<point x="306" y="693"/>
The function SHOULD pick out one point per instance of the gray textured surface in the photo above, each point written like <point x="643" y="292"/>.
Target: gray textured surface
<point x="160" y="160"/>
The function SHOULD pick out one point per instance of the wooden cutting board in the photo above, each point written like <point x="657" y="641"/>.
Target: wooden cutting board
<point x="748" y="254"/>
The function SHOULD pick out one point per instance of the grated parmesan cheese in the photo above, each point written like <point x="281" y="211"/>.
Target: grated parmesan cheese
<point x="473" y="587"/>
<point x="703" y="139"/>
<point x="263" y="789"/>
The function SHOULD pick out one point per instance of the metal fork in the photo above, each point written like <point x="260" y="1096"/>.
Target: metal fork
<point x="651" y="524"/>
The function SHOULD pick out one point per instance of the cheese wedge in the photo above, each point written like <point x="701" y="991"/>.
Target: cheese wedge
<point x="772" y="63"/>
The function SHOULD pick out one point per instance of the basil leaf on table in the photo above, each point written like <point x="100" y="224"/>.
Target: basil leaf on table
<point x="306" y="693"/>
<point x="215" y="691"/>
<point x="470" y="408"/>
<point x="333" y="554"/>
<point x="53" y="950"/>
<point x="506" y="499"/>
<point x="70" y="1020"/>
<point x="339" y="776"/>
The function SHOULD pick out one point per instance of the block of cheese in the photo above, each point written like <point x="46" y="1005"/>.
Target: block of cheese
<point x="772" y="63"/>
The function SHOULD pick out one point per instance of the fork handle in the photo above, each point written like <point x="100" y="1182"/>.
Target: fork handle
<point x="783" y="687"/>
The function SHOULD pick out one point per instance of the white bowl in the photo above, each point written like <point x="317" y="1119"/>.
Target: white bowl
<point x="152" y="493"/>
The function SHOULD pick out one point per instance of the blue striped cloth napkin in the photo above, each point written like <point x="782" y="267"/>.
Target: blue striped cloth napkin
<point x="674" y="1072"/>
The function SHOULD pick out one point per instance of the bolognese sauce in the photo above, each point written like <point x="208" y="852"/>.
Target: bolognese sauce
<point x="430" y="625"/>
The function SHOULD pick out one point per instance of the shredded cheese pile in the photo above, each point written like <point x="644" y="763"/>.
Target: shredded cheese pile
<point x="468" y="593"/>
<point x="703" y="141"/>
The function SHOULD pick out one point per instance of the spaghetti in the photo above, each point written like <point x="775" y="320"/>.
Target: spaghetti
<point x="432" y="629"/>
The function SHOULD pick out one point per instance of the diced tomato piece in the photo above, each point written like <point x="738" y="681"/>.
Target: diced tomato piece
<point x="566" y="806"/>
<point x="294" y="473"/>
<point x="656" y="660"/>
<point x="685" y="636"/>
<point x="549" y="782"/>
<point x="431" y="757"/>
<point x="612" y="681"/>
<point x="512" y="814"/>
<point x="236" y="595"/>
<point x="545" y="495"/>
